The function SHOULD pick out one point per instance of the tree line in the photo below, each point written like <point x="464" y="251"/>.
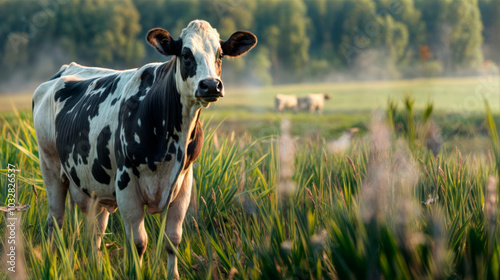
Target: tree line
<point x="299" y="40"/>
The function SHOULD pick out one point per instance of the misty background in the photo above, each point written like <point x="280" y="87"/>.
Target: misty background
<point x="299" y="40"/>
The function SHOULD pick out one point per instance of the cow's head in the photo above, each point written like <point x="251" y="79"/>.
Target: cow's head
<point x="199" y="52"/>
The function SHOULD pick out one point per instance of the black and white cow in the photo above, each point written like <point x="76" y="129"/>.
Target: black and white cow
<point x="129" y="138"/>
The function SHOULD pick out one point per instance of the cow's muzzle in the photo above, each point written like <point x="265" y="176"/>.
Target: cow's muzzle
<point x="210" y="90"/>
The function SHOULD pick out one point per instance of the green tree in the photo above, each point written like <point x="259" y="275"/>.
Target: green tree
<point x="101" y="32"/>
<point x="405" y="12"/>
<point x="437" y="30"/>
<point x="490" y="14"/>
<point x="282" y="27"/>
<point x="466" y="37"/>
<point x="360" y="28"/>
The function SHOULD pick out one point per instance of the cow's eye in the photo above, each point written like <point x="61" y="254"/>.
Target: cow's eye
<point x="187" y="56"/>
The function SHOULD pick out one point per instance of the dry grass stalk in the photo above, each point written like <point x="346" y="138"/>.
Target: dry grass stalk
<point x="318" y="197"/>
<point x="351" y="163"/>
<point x="196" y="225"/>
<point x="311" y="196"/>
<point x="441" y="172"/>
<point x="213" y="197"/>
<point x="231" y="139"/>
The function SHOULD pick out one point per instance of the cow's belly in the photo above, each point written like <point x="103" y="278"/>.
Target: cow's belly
<point x="88" y="185"/>
<point x="84" y="201"/>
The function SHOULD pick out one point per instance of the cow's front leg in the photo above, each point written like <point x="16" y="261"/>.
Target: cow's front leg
<point x="132" y="211"/>
<point x="175" y="216"/>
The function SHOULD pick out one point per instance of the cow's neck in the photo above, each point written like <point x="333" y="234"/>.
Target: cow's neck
<point x="190" y="116"/>
<point x="172" y="112"/>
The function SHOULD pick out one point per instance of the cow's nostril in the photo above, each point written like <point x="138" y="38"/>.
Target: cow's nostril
<point x="203" y="85"/>
<point x="219" y="86"/>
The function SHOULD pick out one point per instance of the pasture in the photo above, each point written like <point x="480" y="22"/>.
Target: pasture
<point x="386" y="207"/>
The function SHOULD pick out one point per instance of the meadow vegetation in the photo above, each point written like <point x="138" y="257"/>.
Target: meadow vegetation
<point x="279" y="205"/>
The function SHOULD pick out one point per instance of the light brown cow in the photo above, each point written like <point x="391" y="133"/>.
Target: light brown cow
<point x="283" y="102"/>
<point x="313" y="102"/>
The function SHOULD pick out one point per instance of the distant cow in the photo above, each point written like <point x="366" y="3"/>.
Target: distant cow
<point x="313" y="102"/>
<point x="129" y="138"/>
<point x="283" y="102"/>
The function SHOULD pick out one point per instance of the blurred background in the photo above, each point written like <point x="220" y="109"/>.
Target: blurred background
<point x="299" y="40"/>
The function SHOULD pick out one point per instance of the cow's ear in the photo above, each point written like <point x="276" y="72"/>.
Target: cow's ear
<point x="163" y="42"/>
<point x="239" y="43"/>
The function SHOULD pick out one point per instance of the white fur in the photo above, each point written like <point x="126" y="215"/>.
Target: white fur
<point x="313" y="102"/>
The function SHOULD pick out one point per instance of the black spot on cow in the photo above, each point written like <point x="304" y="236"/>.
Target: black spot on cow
<point x="74" y="177"/>
<point x="84" y="190"/>
<point x="168" y="157"/>
<point x="147" y="79"/>
<point x="114" y="194"/>
<point x="82" y="100"/>
<point x="102" y="161"/>
<point x="195" y="145"/>
<point x="172" y="150"/>
<point x="188" y="64"/>
<point x="124" y="180"/>
<point x="100" y="175"/>
<point x="102" y="147"/>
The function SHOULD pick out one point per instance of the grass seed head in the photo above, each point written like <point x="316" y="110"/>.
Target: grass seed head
<point x="309" y="193"/>
<point x="213" y="197"/>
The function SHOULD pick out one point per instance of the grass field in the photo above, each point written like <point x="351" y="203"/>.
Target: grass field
<point x="384" y="208"/>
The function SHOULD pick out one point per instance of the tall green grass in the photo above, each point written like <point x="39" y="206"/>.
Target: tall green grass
<point x="387" y="208"/>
